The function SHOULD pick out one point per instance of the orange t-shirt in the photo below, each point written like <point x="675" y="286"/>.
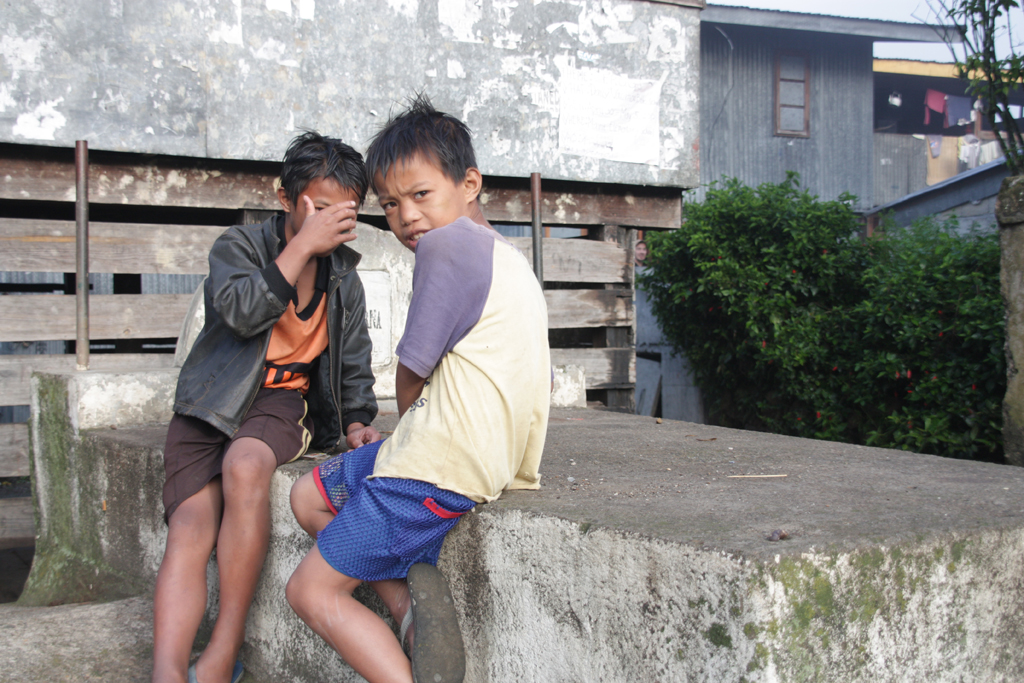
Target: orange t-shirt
<point x="296" y="341"/>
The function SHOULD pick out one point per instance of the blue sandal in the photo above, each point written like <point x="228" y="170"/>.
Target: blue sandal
<point x="236" y="673"/>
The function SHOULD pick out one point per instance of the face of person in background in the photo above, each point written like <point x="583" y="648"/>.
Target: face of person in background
<point x="640" y="253"/>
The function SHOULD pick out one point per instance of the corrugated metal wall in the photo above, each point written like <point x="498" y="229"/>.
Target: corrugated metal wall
<point x="738" y="110"/>
<point x="901" y="166"/>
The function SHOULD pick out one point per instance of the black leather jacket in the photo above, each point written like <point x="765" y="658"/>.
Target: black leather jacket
<point x="244" y="297"/>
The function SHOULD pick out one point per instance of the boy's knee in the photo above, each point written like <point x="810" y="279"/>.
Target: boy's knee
<point x="292" y="593"/>
<point x="304" y="495"/>
<point x="248" y="470"/>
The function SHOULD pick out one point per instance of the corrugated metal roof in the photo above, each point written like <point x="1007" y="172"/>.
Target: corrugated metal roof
<point x="874" y="29"/>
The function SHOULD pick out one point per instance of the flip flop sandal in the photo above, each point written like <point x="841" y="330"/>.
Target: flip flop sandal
<point x="438" y="655"/>
<point x="236" y="673"/>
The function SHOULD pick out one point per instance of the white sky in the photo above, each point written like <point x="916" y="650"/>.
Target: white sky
<point x="911" y="11"/>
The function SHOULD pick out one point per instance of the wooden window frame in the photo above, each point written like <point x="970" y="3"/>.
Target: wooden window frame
<point x="806" y="132"/>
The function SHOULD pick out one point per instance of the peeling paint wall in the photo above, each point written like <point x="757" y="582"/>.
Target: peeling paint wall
<point x="597" y="90"/>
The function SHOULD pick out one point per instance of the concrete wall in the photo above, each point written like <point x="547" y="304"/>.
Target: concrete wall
<point x="575" y="583"/>
<point x="599" y="90"/>
<point x="1010" y="212"/>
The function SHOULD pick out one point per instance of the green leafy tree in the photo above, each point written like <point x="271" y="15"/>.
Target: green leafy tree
<point x="985" y="56"/>
<point x="794" y="324"/>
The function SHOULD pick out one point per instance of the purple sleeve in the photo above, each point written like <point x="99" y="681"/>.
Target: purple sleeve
<point x="450" y="285"/>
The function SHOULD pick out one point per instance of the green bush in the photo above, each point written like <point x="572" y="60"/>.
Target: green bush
<point x="794" y="324"/>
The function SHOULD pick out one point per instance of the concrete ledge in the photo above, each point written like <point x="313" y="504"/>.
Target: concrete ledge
<point x="641" y="559"/>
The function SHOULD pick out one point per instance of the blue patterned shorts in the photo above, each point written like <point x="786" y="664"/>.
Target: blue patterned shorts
<point x="382" y="526"/>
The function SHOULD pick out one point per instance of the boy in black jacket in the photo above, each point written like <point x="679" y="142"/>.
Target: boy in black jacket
<point x="282" y="363"/>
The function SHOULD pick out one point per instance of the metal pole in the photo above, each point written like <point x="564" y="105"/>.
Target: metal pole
<point x="538" y="251"/>
<point x="82" y="253"/>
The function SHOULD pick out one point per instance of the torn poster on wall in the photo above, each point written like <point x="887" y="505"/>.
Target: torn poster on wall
<point x="608" y="116"/>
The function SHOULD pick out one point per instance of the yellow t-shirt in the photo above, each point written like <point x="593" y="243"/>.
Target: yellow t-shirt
<point x="479" y="425"/>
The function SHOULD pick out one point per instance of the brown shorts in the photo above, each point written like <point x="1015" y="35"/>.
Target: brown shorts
<point x="195" y="449"/>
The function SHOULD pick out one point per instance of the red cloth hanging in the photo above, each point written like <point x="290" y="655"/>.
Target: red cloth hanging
<point x="933" y="101"/>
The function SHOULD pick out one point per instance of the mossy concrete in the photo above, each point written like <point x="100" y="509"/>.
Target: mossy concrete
<point x="78" y="489"/>
<point x="644" y="557"/>
<point x="1010" y="215"/>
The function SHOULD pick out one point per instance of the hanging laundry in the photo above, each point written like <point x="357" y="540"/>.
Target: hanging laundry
<point x="970" y="150"/>
<point x="990" y="151"/>
<point x="958" y="110"/>
<point x="934" y="145"/>
<point x="933" y="101"/>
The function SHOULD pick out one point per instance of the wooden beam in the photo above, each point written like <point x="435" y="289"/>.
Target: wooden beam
<point x="34" y="317"/>
<point x="14" y="450"/>
<point x="30" y="245"/>
<point x="16" y="370"/>
<point x="605" y="368"/>
<point x="29" y="172"/>
<point x="589" y="308"/>
<point x="580" y="260"/>
<point x="17" y="525"/>
<point x="48" y="174"/>
<point x="584" y="204"/>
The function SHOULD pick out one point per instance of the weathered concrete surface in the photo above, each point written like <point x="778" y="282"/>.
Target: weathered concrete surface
<point x="602" y="90"/>
<point x="1010" y="214"/>
<point x="640" y="559"/>
<point x="102" y="643"/>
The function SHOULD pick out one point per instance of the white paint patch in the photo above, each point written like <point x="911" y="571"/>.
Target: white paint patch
<point x="307" y="9"/>
<point x="430" y="73"/>
<point x="605" y="24"/>
<point x="224" y="32"/>
<point x="112" y="102"/>
<point x="513" y="65"/>
<point x="504" y="9"/>
<point x="672" y="147"/>
<point x="280" y="6"/>
<point x="274" y="51"/>
<point x="507" y="41"/>
<point x="609" y="116"/>
<point x="458" y="17"/>
<point x="495" y="92"/>
<point x="407" y="8"/>
<point x="21" y="54"/>
<point x="570" y="387"/>
<point x="50" y="8"/>
<point x="42" y="123"/>
<point x="455" y="69"/>
<point x="569" y="27"/>
<point x="5" y="98"/>
<point x="667" y="41"/>
<point x="499" y="146"/>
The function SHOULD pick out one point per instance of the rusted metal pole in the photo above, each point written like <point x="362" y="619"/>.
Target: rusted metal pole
<point x="538" y="251"/>
<point x="82" y="253"/>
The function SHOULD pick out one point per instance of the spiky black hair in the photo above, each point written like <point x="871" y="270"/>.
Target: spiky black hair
<point x="422" y="129"/>
<point x="312" y="155"/>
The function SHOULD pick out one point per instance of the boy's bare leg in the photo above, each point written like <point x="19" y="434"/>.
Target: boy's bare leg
<point x="180" y="598"/>
<point x="396" y="596"/>
<point x="322" y="597"/>
<point x="309" y="507"/>
<point x="241" y="548"/>
<point x="313" y="515"/>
